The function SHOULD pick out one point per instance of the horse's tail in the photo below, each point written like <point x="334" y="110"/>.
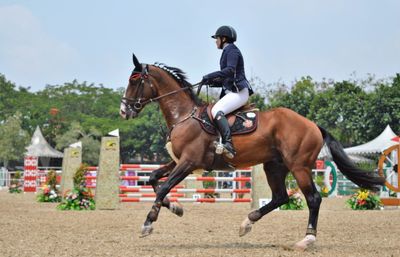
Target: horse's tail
<point x="362" y="178"/>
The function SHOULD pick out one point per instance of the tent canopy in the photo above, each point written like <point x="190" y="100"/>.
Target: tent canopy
<point x="40" y="148"/>
<point x="377" y="145"/>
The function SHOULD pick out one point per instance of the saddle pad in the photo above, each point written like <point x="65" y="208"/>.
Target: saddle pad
<point x="245" y="122"/>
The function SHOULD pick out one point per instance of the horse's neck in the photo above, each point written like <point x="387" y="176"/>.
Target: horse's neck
<point x="176" y="107"/>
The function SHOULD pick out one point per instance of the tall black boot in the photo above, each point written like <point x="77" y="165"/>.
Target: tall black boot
<point x="223" y="127"/>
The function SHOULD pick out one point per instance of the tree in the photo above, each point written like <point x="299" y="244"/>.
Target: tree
<point x="89" y="139"/>
<point x="144" y="136"/>
<point x="384" y="107"/>
<point x="11" y="99"/>
<point x="341" y="110"/>
<point x="13" y="139"/>
<point x="299" y="98"/>
<point x="259" y="101"/>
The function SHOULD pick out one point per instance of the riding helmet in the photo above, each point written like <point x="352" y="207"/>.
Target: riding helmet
<point x="226" y="31"/>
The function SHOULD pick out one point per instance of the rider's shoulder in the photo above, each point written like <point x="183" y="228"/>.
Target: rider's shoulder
<point x="231" y="48"/>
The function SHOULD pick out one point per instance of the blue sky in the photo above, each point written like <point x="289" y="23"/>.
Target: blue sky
<point x="52" y="42"/>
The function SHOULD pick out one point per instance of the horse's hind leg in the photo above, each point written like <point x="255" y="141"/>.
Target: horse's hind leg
<point x="155" y="176"/>
<point x="313" y="198"/>
<point x="276" y="173"/>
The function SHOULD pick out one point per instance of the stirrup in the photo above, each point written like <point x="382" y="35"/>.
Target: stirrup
<point x="229" y="152"/>
<point x="222" y="149"/>
<point x="219" y="147"/>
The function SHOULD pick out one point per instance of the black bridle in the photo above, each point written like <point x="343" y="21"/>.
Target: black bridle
<point x="135" y="104"/>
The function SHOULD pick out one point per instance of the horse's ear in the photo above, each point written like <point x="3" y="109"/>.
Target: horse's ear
<point x="136" y="62"/>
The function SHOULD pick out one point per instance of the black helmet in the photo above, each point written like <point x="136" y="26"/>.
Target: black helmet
<point x="226" y="31"/>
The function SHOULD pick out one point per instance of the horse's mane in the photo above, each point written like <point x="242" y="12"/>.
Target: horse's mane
<point x="180" y="77"/>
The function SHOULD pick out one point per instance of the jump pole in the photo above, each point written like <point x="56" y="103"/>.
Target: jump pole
<point x="107" y="181"/>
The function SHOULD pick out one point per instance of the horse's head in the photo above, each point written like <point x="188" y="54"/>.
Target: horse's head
<point x="138" y="92"/>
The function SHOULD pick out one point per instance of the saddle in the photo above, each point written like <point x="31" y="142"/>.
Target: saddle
<point x="242" y="121"/>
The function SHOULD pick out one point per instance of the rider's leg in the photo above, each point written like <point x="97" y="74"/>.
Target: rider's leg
<point x="223" y="127"/>
<point x="230" y="102"/>
<point x="227" y="104"/>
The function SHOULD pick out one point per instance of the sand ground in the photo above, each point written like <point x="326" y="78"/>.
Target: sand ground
<point x="28" y="228"/>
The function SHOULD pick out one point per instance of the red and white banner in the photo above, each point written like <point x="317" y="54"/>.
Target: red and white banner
<point x="30" y="173"/>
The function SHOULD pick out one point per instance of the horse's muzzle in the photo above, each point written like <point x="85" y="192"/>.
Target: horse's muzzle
<point x="128" y="114"/>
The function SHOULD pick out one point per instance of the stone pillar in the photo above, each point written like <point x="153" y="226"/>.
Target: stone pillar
<point x="259" y="186"/>
<point x="107" y="181"/>
<point x="71" y="162"/>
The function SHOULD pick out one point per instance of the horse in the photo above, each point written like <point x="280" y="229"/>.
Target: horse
<point x="283" y="142"/>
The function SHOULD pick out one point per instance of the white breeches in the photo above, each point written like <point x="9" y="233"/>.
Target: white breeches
<point x="230" y="102"/>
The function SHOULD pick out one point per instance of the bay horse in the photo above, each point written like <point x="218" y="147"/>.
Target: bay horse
<point x="283" y="142"/>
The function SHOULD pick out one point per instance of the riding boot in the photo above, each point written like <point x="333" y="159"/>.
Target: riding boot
<point x="222" y="124"/>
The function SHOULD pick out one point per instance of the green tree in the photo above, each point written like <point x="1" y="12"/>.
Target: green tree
<point x="145" y="136"/>
<point x="384" y="107"/>
<point x="89" y="139"/>
<point x="259" y="101"/>
<point x="13" y="139"/>
<point x="12" y="99"/>
<point x="341" y="110"/>
<point x="299" y="98"/>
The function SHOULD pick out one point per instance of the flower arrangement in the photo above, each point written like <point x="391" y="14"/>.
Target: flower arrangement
<point x="363" y="199"/>
<point x="324" y="191"/>
<point x="80" y="197"/>
<point x="50" y="192"/>
<point x="16" y="185"/>
<point x="295" y="201"/>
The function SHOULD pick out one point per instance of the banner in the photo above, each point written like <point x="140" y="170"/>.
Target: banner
<point x="30" y="173"/>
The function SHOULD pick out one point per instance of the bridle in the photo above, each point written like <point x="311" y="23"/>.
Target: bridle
<point x="136" y="103"/>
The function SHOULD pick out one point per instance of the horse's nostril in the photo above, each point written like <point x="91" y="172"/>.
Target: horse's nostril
<point x="122" y="113"/>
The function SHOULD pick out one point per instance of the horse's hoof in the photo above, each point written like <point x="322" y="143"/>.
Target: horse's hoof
<point x="146" y="230"/>
<point x="176" y="208"/>
<point x="245" y="227"/>
<point x="307" y="241"/>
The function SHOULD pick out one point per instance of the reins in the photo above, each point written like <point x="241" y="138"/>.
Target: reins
<point x="172" y="92"/>
<point x="146" y="76"/>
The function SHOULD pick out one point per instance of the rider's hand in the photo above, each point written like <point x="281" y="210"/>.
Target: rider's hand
<point x="205" y="81"/>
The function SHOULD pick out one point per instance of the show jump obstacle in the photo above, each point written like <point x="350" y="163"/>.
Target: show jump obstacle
<point x="109" y="191"/>
<point x="71" y="162"/>
<point x="107" y="184"/>
<point x="388" y="167"/>
<point x="108" y="181"/>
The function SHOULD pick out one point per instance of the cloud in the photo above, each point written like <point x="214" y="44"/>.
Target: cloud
<point x="28" y="55"/>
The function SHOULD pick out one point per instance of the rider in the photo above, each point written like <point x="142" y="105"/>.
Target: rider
<point x="235" y="87"/>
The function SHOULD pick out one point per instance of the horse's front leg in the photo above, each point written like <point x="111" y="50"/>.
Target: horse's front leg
<point x="155" y="176"/>
<point x="180" y="172"/>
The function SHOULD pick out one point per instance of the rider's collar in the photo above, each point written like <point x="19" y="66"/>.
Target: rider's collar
<point x="225" y="45"/>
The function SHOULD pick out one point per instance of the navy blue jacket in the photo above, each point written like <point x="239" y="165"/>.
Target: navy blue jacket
<point x="231" y="76"/>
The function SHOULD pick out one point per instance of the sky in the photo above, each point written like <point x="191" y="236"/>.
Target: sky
<point x="51" y="42"/>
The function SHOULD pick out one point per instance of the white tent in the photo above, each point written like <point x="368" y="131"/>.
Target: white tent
<point x="40" y="148"/>
<point x="377" y="145"/>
